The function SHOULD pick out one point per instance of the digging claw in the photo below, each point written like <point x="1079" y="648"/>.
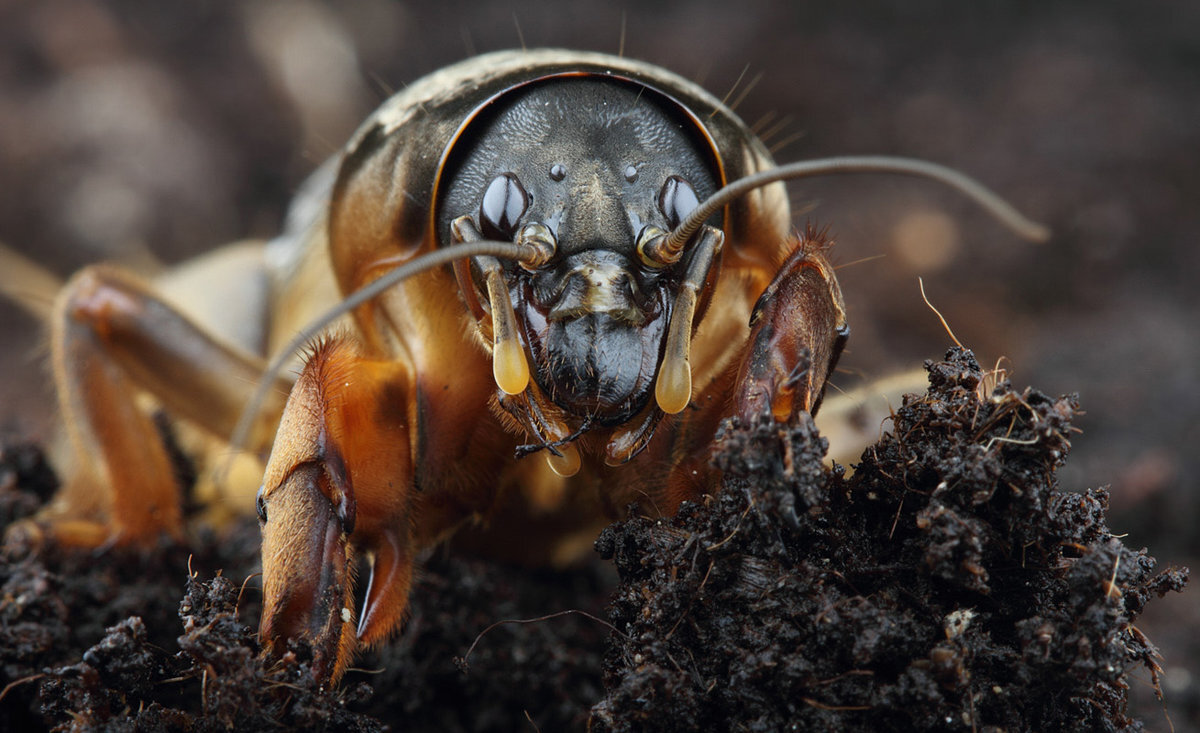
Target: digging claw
<point x="307" y="589"/>
<point x="387" y="589"/>
<point x="797" y="332"/>
<point x="308" y="511"/>
<point x="335" y="486"/>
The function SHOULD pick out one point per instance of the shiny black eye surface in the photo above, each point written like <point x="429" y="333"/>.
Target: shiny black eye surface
<point x="557" y="172"/>
<point x="503" y="204"/>
<point x="676" y="200"/>
<point x="260" y="505"/>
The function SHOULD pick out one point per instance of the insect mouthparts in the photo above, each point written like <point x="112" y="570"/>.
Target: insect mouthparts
<point x="599" y="285"/>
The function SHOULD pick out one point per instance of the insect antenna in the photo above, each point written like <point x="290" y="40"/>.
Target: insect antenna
<point x="964" y="184"/>
<point x="506" y="250"/>
<point x="673" y="386"/>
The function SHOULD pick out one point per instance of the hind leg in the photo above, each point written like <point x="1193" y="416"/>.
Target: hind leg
<point x="114" y="340"/>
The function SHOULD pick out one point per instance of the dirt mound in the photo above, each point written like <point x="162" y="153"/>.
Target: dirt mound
<point x="948" y="584"/>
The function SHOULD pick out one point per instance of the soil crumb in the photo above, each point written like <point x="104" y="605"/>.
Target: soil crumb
<point x="947" y="584"/>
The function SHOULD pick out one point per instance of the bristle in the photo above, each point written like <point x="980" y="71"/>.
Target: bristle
<point x="816" y="237"/>
<point x="331" y="361"/>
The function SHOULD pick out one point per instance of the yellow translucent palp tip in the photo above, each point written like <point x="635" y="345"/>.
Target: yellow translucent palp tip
<point x="509" y="366"/>
<point x="673" y="390"/>
<point x="567" y="464"/>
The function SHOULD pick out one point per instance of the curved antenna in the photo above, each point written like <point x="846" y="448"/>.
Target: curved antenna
<point x="428" y="261"/>
<point x="972" y="189"/>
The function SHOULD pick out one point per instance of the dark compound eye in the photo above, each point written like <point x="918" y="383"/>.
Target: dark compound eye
<point x="260" y="505"/>
<point x="676" y="200"/>
<point x="557" y="172"/>
<point x="503" y="204"/>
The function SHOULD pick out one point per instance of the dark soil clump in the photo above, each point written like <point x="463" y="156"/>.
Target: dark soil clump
<point x="105" y="642"/>
<point x="946" y="585"/>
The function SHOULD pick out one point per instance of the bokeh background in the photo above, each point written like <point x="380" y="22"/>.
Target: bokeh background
<point x="147" y="132"/>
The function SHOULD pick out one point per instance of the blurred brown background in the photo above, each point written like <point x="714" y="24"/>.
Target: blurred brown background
<point x="147" y="132"/>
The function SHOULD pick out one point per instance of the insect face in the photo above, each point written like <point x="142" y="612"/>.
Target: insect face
<point x="598" y="169"/>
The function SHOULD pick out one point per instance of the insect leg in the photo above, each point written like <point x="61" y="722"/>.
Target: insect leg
<point x="112" y="339"/>
<point x="338" y="482"/>
<point x="797" y="331"/>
